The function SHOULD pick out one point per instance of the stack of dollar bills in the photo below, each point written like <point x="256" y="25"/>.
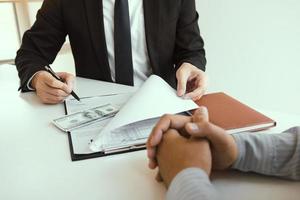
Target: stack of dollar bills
<point x="76" y="120"/>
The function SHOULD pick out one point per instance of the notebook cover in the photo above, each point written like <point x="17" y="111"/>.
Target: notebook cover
<point x="229" y="113"/>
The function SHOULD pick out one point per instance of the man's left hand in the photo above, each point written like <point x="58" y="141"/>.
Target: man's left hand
<point x="176" y="153"/>
<point x="192" y="82"/>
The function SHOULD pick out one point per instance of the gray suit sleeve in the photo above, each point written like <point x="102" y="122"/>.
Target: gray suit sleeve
<point x="191" y="184"/>
<point x="270" y="154"/>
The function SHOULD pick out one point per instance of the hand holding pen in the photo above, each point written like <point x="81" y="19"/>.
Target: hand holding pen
<point x="48" y="68"/>
<point x="52" y="89"/>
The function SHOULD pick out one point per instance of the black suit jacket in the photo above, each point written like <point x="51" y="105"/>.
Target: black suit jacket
<point x="172" y="36"/>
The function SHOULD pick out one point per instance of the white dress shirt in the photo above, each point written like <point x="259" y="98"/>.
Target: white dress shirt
<point x="140" y="58"/>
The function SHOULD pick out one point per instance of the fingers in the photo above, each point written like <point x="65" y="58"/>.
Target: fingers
<point x="152" y="163"/>
<point x="55" y="92"/>
<point x="197" y="86"/>
<point x="182" y="76"/>
<point x="196" y="94"/>
<point x="176" y="122"/>
<point x="164" y="124"/>
<point x="50" y="95"/>
<point x="223" y="145"/>
<point x="214" y="134"/>
<point x="51" y="99"/>
<point x="200" y="127"/>
<point x="68" y="79"/>
<point x="54" y="83"/>
<point x="201" y="115"/>
<point x="192" y="81"/>
<point x="51" y="90"/>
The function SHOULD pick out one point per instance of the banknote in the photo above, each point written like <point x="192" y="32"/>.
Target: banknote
<point x="83" y="118"/>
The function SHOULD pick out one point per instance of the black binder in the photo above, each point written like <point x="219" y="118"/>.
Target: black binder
<point x="77" y="157"/>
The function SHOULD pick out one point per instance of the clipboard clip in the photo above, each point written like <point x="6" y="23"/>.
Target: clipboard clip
<point x="122" y="149"/>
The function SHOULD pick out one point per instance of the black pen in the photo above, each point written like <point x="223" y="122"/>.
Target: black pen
<point x="48" y="69"/>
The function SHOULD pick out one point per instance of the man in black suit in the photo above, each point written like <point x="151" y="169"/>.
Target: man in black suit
<point x="121" y="41"/>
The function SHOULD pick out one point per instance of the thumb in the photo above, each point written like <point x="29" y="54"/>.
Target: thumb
<point x="68" y="78"/>
<point x="193" y="129"/>
<point x="201" y="115"/>
<point x="182" y="78"/>
<point x="216" y="135"/>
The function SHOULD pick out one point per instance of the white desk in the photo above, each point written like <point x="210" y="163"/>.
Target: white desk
<point x="35" y="160"/>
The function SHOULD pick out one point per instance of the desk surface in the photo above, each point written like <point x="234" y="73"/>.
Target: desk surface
<point x="35" y="159"/>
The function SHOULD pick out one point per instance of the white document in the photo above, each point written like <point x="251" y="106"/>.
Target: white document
<point x="150" y="102"/>
<point x="82" y="137"/>
<point x="131" y="135"/>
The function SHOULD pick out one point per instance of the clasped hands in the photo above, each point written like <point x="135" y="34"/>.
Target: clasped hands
<point x="179" y="142"/>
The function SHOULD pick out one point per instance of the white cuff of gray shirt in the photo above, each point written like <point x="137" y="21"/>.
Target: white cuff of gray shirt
<point x="191" y="184"/>
<point x="29" y="81"/>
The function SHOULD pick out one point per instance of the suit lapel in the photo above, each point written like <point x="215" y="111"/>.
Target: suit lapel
<point x="151" y="15"/>
<point x="94" y="11"/>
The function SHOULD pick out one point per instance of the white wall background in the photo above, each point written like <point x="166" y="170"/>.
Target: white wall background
<point x="9" y="41"/>
<point x="253" y="50"/>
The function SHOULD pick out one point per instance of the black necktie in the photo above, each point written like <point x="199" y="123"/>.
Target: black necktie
<point x="122" y="37"/>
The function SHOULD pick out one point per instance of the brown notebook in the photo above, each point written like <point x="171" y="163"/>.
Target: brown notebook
<point x="233" y="115"/>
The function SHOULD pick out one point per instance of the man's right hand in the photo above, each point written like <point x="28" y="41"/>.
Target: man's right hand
<point x="223" y="146"/>
<point x="51" y="90"/>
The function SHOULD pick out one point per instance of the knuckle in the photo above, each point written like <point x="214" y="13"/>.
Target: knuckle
<point x="166" y="116"/>
<point x="65" y="88"/>
<point x="205" y="125"/>
<point x="179" y="72"/>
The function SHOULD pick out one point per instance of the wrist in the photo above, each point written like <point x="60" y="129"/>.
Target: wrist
<point x="233" y="151"/>
<point x="35" y="78"/>
<point x="196" y="164"/>
<point x="240" y="151"/>
<point x="188" y="174"/>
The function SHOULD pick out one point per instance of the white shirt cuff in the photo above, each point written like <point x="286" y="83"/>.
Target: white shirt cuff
<point x="29" y="81"/>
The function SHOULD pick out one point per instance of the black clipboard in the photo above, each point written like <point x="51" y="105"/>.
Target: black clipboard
<point x="77" y="157"/>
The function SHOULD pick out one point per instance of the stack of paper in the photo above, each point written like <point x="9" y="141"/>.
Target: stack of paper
<point x="133" y="123"/>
